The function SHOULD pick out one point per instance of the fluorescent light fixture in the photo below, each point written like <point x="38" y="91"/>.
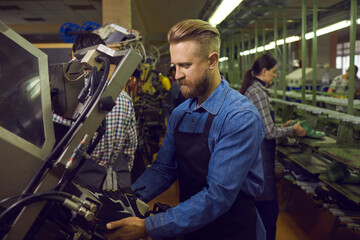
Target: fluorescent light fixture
<point x="244" y="53"/>
<point x="280" y="42"/>
<point x="223" y="59"/>
<point x="271" y="45"/>
<point x="287" y="40"/>
<point x="292" y="39"/>
<point x="223" y="10"/>
<point x="329" y="29"/>
<point x="310" y="35"/>
<point x="260" y="49"/>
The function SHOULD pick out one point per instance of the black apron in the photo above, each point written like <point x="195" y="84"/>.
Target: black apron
<point x="268" y="160"/>
<point x="193" y="156"/>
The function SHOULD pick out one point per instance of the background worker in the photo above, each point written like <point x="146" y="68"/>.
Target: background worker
<point x="340" y="84"/>
<point x="261" y="74"/>
<point x="117" y="146"/>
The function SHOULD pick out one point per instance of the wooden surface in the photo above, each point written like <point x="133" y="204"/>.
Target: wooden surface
<point x="351" y="191"/>
<point x="347" y="155"/>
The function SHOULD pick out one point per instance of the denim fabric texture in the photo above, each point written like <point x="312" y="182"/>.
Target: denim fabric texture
<point x="234" y="141"/>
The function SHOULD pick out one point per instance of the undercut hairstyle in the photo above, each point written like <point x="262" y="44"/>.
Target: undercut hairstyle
<point x="199" y="31"/>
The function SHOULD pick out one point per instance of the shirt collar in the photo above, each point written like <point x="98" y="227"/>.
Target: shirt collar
<point x="260" y="84"/>
<point x="259" y="80"/>
<point x="214" y="102"/>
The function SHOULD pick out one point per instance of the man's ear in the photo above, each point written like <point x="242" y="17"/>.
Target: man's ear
<point x="213" y="59"/>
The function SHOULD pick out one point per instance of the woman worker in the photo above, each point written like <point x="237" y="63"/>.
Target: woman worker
<point x="254" y="87"/>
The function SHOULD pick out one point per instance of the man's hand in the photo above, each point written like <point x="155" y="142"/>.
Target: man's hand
<point x="128" y="229"/>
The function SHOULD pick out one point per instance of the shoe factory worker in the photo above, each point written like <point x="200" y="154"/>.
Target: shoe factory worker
<point x="117" y="146"/>
<point x="340" y="84"/>
<point x="254" y="87"/>
<point x="212" y="146"/>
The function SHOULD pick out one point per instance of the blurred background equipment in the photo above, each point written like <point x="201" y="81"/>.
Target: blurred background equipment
<point x="40" y="169"/>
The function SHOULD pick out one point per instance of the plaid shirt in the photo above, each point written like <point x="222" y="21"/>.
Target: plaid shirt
<point x="341" y="85"/>
<point x="258" y="95"/>
<point x="120" y="135"/>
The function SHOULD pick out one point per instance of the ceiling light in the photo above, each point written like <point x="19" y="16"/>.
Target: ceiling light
<point x="244" y="53"/>
<point x="261" y="49"/>
<point x="329" y="29"/>
<point x="271" y="45"/>
<point x="292" y="39"/>
<point x="310" y="35"/>
<point x="280" y="42"/>
<point x="223" y="10"/>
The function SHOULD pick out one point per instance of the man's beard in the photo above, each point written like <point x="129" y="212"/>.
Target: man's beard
<point x="191" y="90"/>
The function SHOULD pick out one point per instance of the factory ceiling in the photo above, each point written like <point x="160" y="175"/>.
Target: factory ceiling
<point x="40" y="20"/>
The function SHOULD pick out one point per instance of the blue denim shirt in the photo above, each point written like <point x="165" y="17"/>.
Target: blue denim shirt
<point x="235" y="138"/>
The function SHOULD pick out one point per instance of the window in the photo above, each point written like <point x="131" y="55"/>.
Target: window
<point x="343" y="55"/>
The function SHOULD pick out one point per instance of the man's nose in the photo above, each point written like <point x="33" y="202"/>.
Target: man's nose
<point x="179" y="74"/>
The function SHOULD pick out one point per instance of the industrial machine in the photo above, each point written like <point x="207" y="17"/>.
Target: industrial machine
<point x="293" y="79"/>
<point x="38" y="199"/>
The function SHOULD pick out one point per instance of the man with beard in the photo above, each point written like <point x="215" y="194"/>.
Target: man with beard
<point x="212" y="146"/>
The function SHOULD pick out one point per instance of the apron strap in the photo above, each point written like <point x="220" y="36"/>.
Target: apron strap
<point x="208" y="123"/>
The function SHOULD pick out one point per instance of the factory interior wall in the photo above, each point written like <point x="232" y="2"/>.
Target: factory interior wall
<point x="324" y="49"/>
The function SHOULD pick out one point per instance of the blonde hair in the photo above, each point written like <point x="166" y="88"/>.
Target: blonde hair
<point x="197" y="30"/>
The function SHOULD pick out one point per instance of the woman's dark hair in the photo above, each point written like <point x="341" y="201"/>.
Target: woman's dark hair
<point x="264" y="61"/>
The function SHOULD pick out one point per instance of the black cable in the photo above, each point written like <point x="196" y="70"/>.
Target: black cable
<point x="92" y="82"/>
<point x="90" y="149"/>
<point x="62" y="179"/>
<point x="6" y="218"/>
<point x="13" y="197"/>
<point x="49" y="162"/>
<point x="68" y="176"/>
<point x="21" y="203"/>
<point x="85" y="90"/>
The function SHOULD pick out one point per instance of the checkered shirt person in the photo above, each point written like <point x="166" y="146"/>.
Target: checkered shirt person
<point x="120" y="135"/>
<point x="258" y="95"/>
